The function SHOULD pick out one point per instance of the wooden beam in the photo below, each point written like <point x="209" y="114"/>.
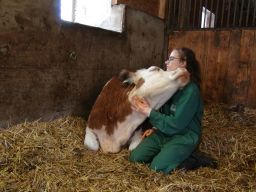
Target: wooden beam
<point x="162" y="8"/>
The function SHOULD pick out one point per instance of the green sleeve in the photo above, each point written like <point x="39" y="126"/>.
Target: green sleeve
<point x="186" y="107"/>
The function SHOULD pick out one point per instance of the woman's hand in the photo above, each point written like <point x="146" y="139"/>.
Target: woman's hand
<point x="148" y="132"/>
<point x="141" y="105"/>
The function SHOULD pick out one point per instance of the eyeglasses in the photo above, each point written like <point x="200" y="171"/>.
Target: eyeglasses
<point x="172" y="58"/>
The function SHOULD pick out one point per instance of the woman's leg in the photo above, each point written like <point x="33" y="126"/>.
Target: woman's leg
<point x="147" y="149"/>
<point x="173" y="153"/>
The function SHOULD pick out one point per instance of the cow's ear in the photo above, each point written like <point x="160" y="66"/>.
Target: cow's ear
<point x="125" y="77"/>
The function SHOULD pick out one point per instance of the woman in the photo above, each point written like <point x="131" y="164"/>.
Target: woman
<point x="177" y="125"/>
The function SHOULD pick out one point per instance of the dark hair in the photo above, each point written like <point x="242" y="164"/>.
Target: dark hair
<point x="193" y="66"/>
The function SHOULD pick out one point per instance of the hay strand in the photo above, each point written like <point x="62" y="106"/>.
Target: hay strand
<point x="50" y="156"/>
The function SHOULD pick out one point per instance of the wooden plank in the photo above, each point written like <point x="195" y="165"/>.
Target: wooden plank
<point x="195" y="40"/>
<point x="228" y="63"/>
<point x="162" y="8"/>
<point x="248" y="55"/>
<point x="216" y="64"/>
<point x="222" y="43"/>
<point x="207" y="82"/>
<point x="150" y="7"/>
<point x="241" y="81"/>
<point x="233" y="65"/>
<point x="191" y="39"/>
<point x="176" y="39"/>
<point x="232" y="85"/>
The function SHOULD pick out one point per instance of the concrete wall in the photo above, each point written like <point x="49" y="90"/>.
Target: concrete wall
<point x="49" y="68"/>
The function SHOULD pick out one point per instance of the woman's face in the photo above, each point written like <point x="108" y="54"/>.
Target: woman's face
<point x="174" y="61"/>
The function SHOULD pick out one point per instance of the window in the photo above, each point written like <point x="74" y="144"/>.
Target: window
<point x="96" y="13"/>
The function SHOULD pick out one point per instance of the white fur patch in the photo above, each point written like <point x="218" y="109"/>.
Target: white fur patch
<point x="135" y="140"/>
<point x="90" y="140"/>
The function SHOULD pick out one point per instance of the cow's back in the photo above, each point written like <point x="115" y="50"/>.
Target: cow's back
<point x="111" y="106"/>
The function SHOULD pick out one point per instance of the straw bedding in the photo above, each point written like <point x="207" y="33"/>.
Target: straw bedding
<point x="50" y="156"/>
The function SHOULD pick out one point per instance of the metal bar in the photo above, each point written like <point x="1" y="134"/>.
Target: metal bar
<point x="182" y="13"/>
<point x="175" y="15"/>
<point x="205" y="12"/>
<point x="171" y="14"/>
<point x="217" y="13"/>
<point x="210" y="24"/>
<point x="194" y="14"/>
<point x="222" y="14"/>
<point x="179" y="12"/>
<point x="174" y="6"/>
<point x="189" y="14"/>
<point x="168" y="14"/>
<point x="229" y="7"/>
<point x="200" y="14"/>
<point x="254" y="14"/>
<point x="234" y="16"/>
<point x="248" y="11"/>
<point x="241" y="14"/>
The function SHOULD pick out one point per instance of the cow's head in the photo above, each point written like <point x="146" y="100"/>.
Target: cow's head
<point x="155" y="82"/>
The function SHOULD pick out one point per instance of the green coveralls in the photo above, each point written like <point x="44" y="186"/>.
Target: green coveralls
<point x="178" y="131"/>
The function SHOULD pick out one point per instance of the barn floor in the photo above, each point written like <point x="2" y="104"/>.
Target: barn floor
<point x="50" y="156"/>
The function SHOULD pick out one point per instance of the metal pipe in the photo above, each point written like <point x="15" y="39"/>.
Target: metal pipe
<point x="200" y="14"/>
<point x="229" y="7"/>
<point x="222" y="14"/>
<point x="179" y="12"/>
<point x="211" y="13"/>
<point x="247" y="15"/>
<point x="234" y="16"/>
<point x="217" y="13"/>
<point x="254" y="14"/>
<point x="205" y="12"/>
<point x="194" y="14"/>
<point x="189" y="14"/>
<point x="241" y="14"/>
<point x="175" y="15"/>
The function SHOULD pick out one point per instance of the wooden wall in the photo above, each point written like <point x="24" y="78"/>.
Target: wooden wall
<point x="228" y="63"/>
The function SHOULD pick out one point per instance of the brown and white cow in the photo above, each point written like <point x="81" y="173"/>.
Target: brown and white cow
<point x="112" y="120"/>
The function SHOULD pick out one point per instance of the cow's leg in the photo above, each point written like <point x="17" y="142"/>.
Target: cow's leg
<point x="90" y="140"/>
<point x="135" y="139"/>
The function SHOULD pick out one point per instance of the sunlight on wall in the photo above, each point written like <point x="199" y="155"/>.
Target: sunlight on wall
<point x="97" y="13"/>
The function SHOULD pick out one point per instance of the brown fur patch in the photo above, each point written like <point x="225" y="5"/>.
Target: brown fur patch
<point x="139" y="83"/>
<point x="111" y="106"/>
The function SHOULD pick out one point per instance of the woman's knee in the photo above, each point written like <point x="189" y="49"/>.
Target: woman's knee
<point x="134" y="156"/>
<point x="144" y="152"/>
